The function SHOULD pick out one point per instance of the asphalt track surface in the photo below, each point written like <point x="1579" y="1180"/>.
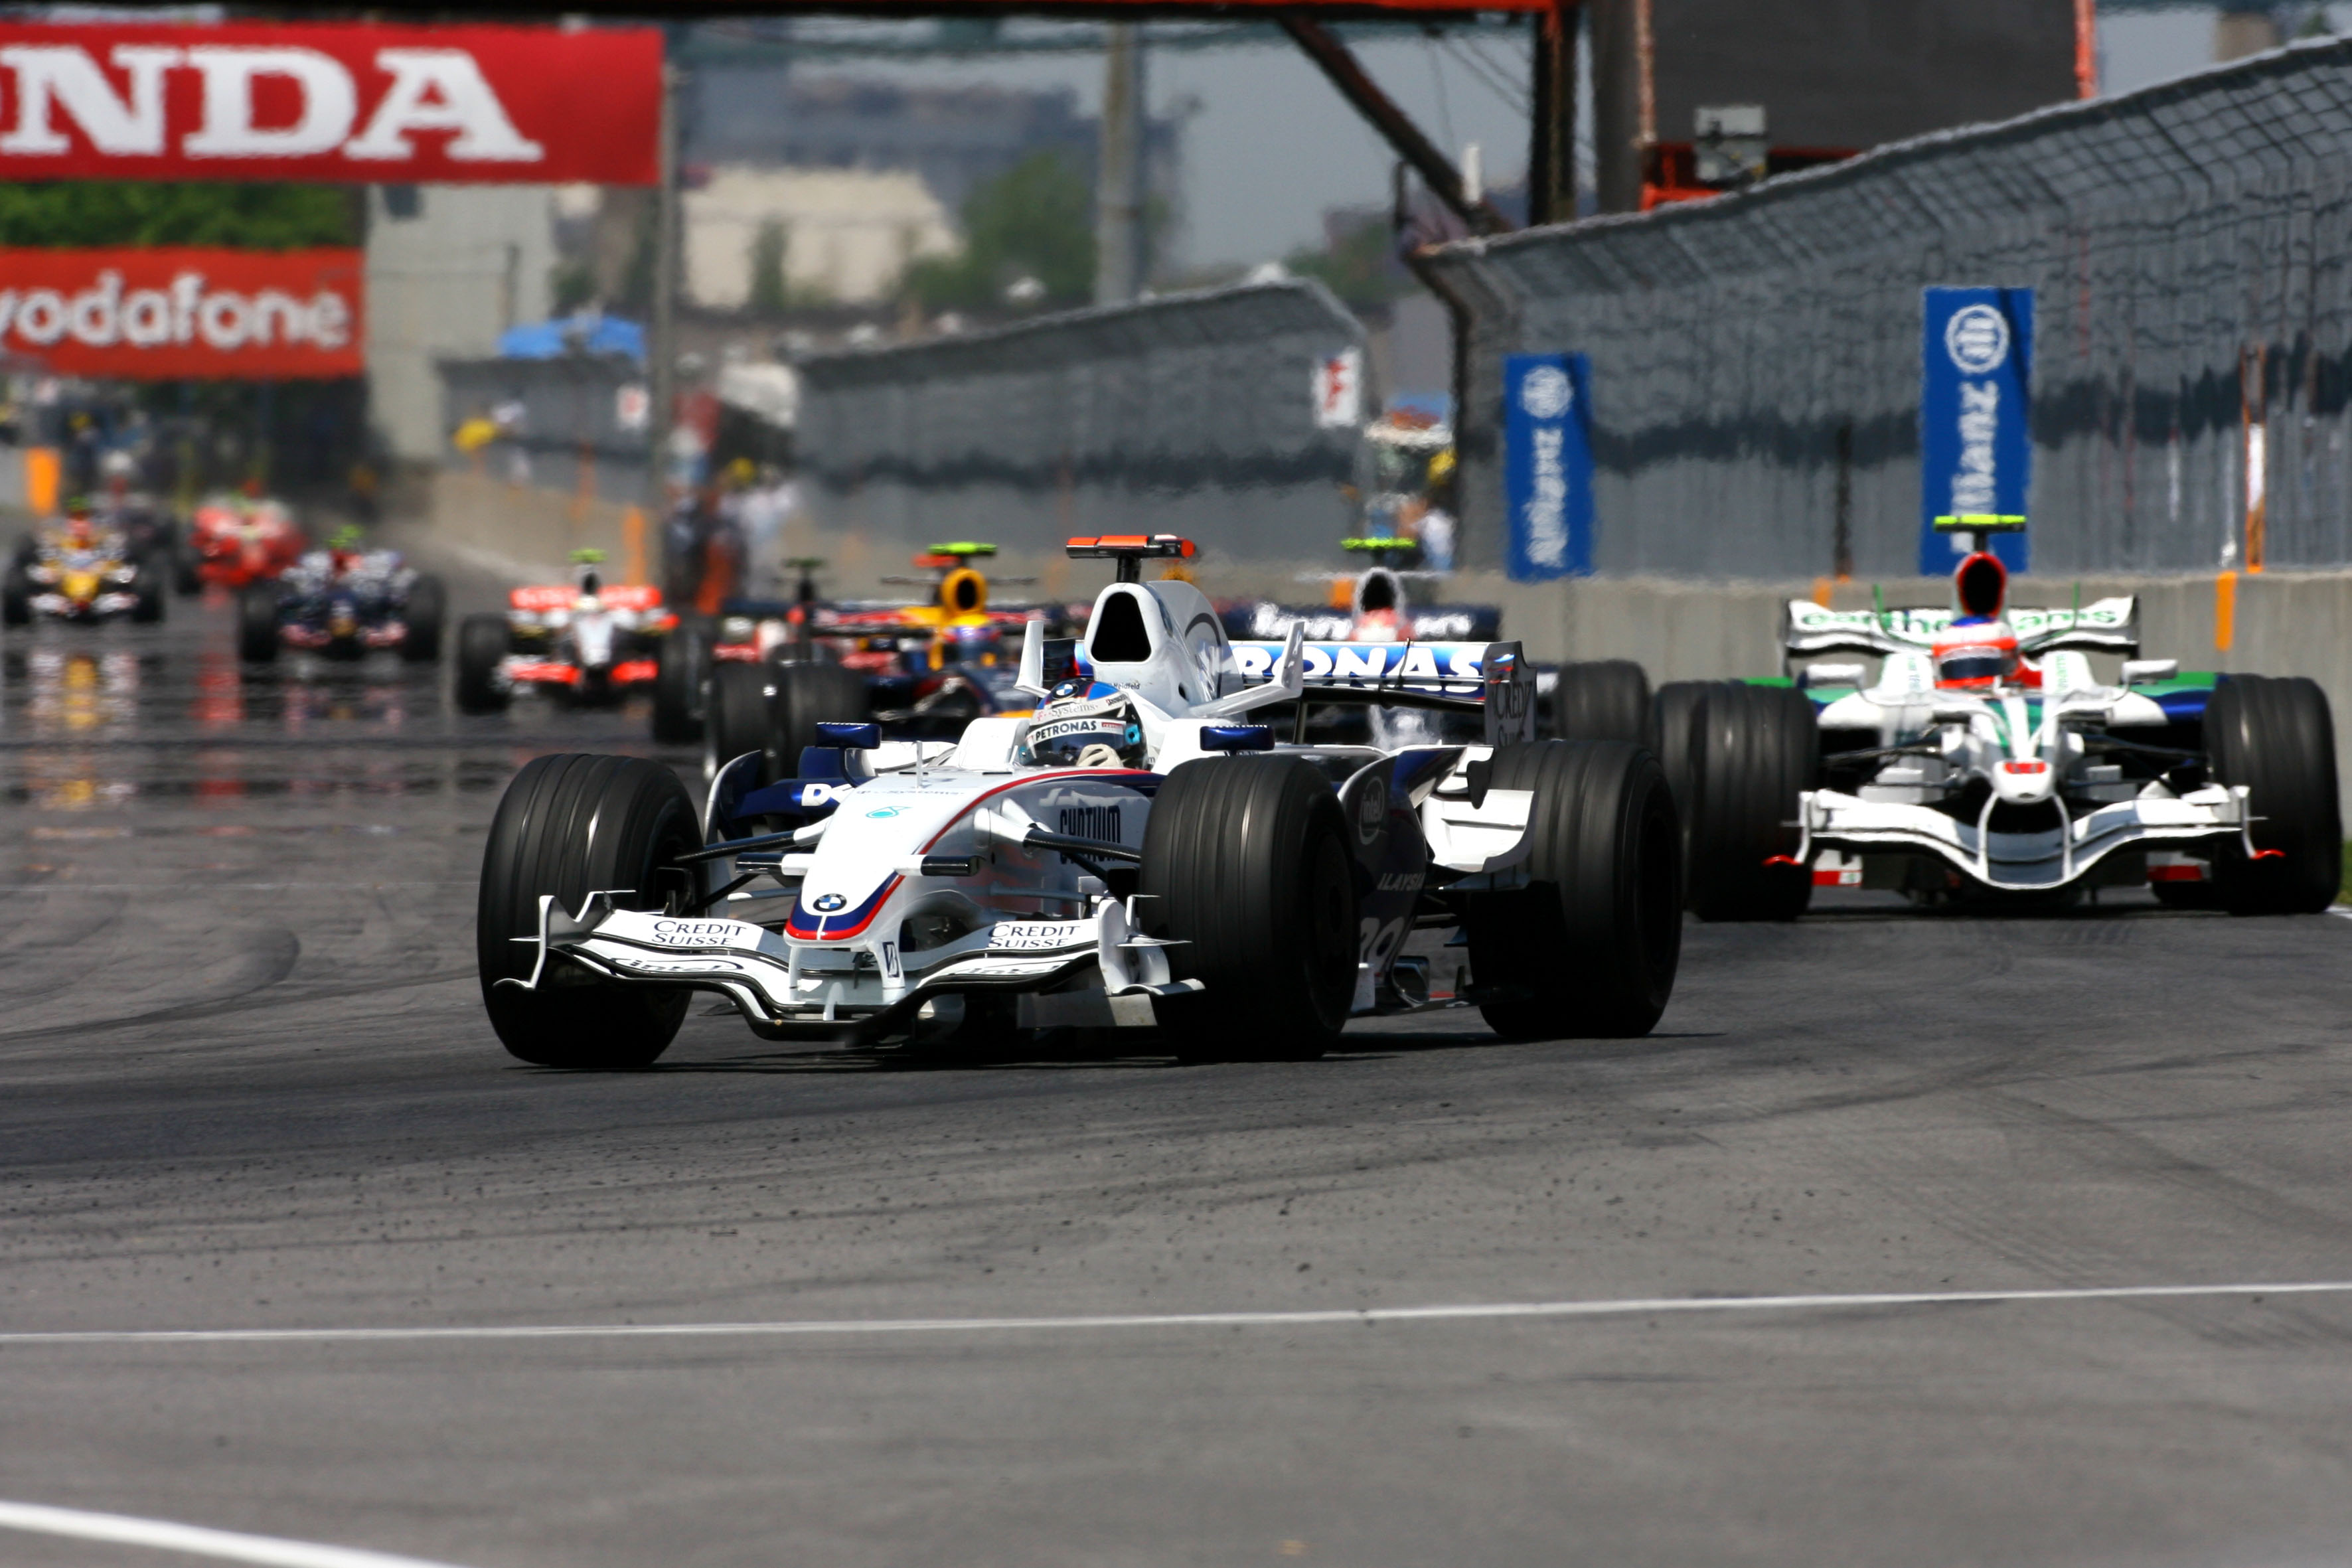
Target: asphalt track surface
<point x="246" y="1084"/>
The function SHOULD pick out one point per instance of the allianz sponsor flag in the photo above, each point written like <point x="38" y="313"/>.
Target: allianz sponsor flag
<point x="1548" y="465"/>
<point x="1976" y="390"/>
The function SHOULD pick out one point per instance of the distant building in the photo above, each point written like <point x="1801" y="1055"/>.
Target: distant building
<point x="846" y="234"/>
<point x="952" y="139"/>
<point x="449" y="268"/>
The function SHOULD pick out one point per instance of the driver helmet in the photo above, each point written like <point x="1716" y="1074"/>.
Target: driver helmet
<point x="1976" y="658"/>
<point x="1086" y="724"/>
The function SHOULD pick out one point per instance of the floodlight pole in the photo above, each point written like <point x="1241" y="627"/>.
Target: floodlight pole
<point x="661" y="335"/>
<point x="1118" y="180"/>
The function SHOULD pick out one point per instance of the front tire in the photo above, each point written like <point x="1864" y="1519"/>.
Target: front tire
<point x="571" y="825"/>
<point x="482" y="643"/>
<point x="2276" y="736"/>
<point x="1245" y="863"/>
<point x="420" y="619"/>
<point x="1589" y="951"/>
<point x="147" y="588"/>
<point x="1758" y="749"/>
<point x="257" y="624"/>
<point x="681" y="667"/>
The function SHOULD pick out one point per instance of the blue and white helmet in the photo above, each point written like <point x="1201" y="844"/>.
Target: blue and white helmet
<point x="1086" y="724"/>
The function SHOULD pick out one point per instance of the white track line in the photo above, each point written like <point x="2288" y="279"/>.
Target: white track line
<point x="1633" y="1307"/>
<point x="195" y="1540"/>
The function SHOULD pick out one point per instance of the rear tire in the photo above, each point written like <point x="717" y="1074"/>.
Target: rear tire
<point x="1245" y="862"/>
<point x="1602" y="699"/>
<point x="421" y="617"/>
<point x="1590" y="950"/>
<point x="150" y="601"/>
<point x="808" y="695"/>
<point x="1674" y="720"/>
<point x="571" y="825"/>
<point x="681" y="666"/>
<point x="482" y="644"/>
<point x="257" y="624"/>
<point x="1759" y="748"/>
<point x="2275" y="735"/>
<point x="738" y="716"/>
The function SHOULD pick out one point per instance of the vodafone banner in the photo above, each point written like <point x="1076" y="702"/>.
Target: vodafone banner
<point x="169" y="314"/>
<point x="350" y="104"/>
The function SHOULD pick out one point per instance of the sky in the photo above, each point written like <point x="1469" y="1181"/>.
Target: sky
<point x="1271" y="146"/>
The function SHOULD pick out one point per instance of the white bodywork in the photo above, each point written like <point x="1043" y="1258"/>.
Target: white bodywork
<point x="923" y="886"/>
<point x="2010" y="745"/>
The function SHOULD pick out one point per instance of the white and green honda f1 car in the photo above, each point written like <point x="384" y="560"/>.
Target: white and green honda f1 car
<point x="1985" y="757"/>
<point x="1143" y="850"/>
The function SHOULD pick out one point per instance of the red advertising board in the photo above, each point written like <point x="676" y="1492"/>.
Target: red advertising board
<point x="343" y="103"/>
<point x="172" y="313"/>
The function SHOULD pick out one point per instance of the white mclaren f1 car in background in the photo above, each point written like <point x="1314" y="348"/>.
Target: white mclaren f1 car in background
<point x="1138" y="852"/>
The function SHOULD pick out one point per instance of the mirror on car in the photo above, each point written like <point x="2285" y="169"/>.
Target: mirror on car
<point x="2138" y="671"/>
<point x="1831" y="675"/>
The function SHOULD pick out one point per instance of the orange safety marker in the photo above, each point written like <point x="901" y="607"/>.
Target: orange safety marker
<point x="2225" y="611"/>
<point x="633" y="542"/>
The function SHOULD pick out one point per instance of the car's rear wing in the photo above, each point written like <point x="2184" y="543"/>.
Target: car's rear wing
<point x="1492" y="678"/>
<point x="2103" y="626"/>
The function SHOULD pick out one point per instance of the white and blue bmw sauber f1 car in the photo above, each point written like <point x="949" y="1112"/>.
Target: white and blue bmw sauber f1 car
<point x="1143" y="850"/>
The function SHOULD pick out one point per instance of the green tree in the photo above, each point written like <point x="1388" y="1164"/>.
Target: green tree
<point x="1359" y="266"/>
<point x="770" y="297"/>
<point x="1035" y="220"/>
<point x="64" y="213"/>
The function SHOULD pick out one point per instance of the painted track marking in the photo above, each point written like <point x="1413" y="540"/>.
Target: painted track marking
<point x="195" y="1540"/>
<point x="1625" y="1307"/>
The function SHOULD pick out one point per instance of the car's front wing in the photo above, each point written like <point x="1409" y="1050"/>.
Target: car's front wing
<point x="2020" y="861"/>
<point x="1097" y="969"/>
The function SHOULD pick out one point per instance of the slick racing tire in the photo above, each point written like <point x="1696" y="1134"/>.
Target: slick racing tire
<point x="2276" y="736"/>
<point x="738" y="716"/>
<point x="1758" y="749"/>
<point x="1602" y="699"/>
<point x="149" y="598"/>
<point x="1245" y="863"/>
<point x="421" y="618"/>
<point x="257" y="624"/>
<point x="571" y="825"/>
<point x="16" y="595"/>
<point x="1674" y="723"/>
<point x="807" y="695"/>
<point x="1589" y="949"/>
<point x="681" y="667"/>
<point x="482" y="642"/>
<point x="775" y="710"/>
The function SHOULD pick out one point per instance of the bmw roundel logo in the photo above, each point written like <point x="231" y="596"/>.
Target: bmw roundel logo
<point x="825" y="903"/>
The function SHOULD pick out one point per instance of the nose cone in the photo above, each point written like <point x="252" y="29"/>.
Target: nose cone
<point x="2027" y="783"/>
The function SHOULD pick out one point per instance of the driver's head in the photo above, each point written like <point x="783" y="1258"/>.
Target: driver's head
<point x="1086" y="724"/>
<point x="1976" y="658"/>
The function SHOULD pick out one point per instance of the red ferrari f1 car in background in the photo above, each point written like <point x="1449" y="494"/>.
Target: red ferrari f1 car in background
<point x="234" y="541"/>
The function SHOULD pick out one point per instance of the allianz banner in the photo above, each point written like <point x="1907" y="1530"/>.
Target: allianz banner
<point x="1548" y="465"/>
<point x="1976" y="402"/>
<point x="171" y="314"/>
<point x="343" y="102"/>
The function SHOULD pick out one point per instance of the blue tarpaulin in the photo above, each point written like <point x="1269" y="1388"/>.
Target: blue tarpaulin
<point x="573" y="334"/>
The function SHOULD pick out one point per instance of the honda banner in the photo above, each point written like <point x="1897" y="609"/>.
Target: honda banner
<point x="169" y="314"/>
<point x="1548" y="465"/>
<point x="1976" y="447"/>
<point x="351" y="105"/>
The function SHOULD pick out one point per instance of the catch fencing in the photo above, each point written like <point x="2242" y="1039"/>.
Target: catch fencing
<point x="1199" y="413"/>
<point x="1756" y="358"/>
